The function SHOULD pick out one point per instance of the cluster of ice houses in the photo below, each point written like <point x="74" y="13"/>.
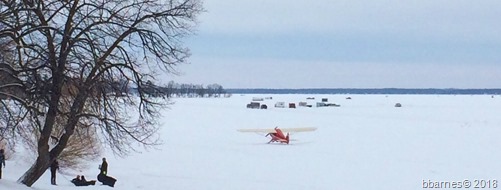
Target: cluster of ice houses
<point x="257" y="103"/>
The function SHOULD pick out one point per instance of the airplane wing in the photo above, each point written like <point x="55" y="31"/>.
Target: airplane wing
<point x="285" y="130"/>
<point x="257" y="130"/>
<point x="298" y="129"/>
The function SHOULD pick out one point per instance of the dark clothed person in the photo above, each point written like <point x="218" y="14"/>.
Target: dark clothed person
<point x="103" y="175"/>
<point x="104" y="167"/>
<point x="2" y="161"/>
<point x="53" y="169"/>
<point x="81" y="181"/>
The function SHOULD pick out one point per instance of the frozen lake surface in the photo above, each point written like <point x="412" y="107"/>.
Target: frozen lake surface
<point x="367" y="143"/>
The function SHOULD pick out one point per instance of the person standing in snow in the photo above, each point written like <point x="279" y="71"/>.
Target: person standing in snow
<point x="2" y="161"/>
<point x="53" y="169"/>
<point x="103" y="175"/>
<point x="104" y="167"/>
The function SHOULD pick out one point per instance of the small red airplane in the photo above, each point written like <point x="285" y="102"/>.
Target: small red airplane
<point x="278" y="135"/>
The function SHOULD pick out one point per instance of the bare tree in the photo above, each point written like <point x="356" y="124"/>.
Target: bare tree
<point x="82" y="146"/>
<point x="73" y="53"/>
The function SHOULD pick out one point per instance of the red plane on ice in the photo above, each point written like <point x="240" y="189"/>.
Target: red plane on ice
<point x="278" y="135"/>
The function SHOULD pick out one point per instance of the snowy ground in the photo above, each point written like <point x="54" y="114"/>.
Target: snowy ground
<point x="366" y="143"/>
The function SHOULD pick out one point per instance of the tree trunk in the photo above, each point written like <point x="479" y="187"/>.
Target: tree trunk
<point x="44" y="157"/>
<point x="36" y="171"/>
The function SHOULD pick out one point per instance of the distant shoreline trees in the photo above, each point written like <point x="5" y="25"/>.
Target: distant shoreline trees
<point x="173" y="89"/>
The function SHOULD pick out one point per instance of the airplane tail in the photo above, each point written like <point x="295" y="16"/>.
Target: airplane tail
<point x="287" y="138"/>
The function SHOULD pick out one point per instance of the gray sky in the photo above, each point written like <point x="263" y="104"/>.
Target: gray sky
<point x="346" y="44"/>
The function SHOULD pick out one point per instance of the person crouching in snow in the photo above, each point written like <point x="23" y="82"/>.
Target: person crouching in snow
<point x="81" y="181"/>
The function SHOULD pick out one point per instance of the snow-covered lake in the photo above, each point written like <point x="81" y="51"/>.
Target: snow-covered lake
<point x="367" y="143"/>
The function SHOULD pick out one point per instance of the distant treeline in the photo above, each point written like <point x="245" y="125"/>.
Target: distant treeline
<point x="173" y="89"/>
<point x="365" y="91"/>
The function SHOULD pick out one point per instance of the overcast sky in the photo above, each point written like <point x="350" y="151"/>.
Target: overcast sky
<point x="346" y="44"/>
